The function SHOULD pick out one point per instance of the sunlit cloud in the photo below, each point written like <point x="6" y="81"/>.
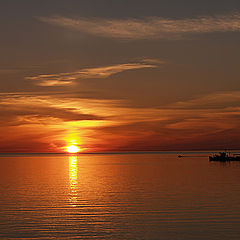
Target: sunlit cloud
<point x="44" y="123"/>
<point x="52" y="108"/>
<point x="149" y="28"/>
<point x="218" y="100"/>
<point x="33" y="120"/>
<point x="185" y="124"/>
<point x="91" y="73"/>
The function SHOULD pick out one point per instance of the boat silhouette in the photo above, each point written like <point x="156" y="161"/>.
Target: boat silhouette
<point x="224" y="157"/>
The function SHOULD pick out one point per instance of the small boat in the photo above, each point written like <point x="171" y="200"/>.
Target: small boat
<point x="224" y="157"/>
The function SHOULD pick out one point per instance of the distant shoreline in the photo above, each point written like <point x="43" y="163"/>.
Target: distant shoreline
<point x="119" y="153"/>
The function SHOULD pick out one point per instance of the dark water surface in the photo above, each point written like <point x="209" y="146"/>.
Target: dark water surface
<point x="135" y="196"/>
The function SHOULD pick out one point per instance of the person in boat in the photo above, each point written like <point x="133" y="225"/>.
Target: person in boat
<point x="223" y="154"/>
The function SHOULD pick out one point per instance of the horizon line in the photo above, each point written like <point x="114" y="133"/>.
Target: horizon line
<point x="120" y="152"/>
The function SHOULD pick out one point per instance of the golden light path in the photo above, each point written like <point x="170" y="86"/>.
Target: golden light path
<point x="73" y="177"/>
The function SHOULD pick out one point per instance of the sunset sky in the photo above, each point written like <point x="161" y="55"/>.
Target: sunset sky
<point x="118" y="75"/>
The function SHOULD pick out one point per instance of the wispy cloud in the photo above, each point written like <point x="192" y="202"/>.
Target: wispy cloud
<point x="218" y="100"/>
<point x="33" y="122"/>
<point x="87" y="73"/>
<point x="149" y="28"/>
<point x="28" y="120"/>
<point x="182" y="125"/>
<point x="29" y="109"/>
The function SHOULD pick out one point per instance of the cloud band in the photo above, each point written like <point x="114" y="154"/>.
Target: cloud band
<point x="149" y="28"/>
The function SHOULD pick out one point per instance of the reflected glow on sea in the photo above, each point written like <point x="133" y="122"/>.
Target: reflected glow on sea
<point x="118" y="196"/>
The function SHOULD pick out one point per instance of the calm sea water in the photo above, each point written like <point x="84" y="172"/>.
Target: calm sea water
<point x="130" y="196"/>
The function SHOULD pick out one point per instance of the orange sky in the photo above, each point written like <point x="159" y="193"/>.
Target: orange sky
<point x="157" y="77"/>
<point x="37" y="123"/>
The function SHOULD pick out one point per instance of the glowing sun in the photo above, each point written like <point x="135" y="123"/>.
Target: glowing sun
<point x="73" y="149"/>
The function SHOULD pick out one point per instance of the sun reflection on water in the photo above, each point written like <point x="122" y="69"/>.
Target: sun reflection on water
<point x="73" y="177"/>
